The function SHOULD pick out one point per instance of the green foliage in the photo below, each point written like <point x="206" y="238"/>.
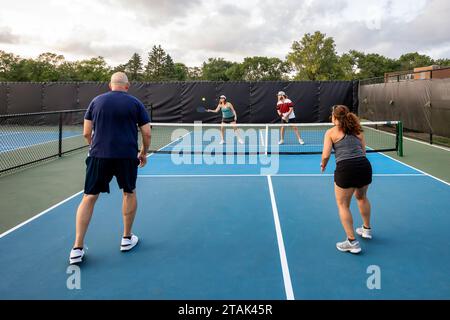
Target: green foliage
<point x="134" y="68"/>
<point x="94" y="69"/>
<point x="263" y="69"/>
<point x="181" y="72"/>
<point x="314" y="57"/>
<point x="443" y="62"/>
<point x="235" y="72"/>
<point x="373" y="65"/>
<point x="413" y="60"/>
<point x="195" y="73"/>
<point x="11" y="67"/>
<point x="215" y="69"/>
<point x="160" y="65"/>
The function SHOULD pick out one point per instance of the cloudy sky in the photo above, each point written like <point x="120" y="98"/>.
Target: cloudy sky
<point x="193" y="30"/>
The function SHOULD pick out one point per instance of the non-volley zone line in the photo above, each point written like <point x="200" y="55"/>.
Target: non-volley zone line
<point x="272" y="175"/>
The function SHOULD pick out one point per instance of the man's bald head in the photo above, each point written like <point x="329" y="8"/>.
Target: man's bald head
<point x="119" y="82"/>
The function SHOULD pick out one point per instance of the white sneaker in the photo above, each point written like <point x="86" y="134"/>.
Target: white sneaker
<point x="240" y="141"/>
<point x="281" y="142"/>
<point x="128" y="244"/>
<point x="221" y="142"/>
<point x="365" y="233"/>
<point x="76" y="256"/>
<point x="300" y="140"/>
<point x="347" y="246"/>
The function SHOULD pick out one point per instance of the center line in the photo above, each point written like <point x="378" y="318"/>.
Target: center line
<point x="281" y="249"/>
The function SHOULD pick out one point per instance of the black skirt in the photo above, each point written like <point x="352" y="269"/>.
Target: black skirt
<point x="353" y="173"/>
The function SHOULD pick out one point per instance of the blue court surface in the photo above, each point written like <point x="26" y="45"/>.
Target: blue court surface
<point x="235" y="231"/>
<point x="16" y="140"/>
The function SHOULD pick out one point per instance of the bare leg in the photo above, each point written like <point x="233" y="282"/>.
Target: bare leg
<point x="236" y="130"/>
<point x="343" y="199"/>
<point x="297" y="133"/>
<point x="129" y="207"/>
<point x="84" y="215"/>
<point x="222" y="132"/>
<point x="282" y="133"/>
<point x="363" y="205"/>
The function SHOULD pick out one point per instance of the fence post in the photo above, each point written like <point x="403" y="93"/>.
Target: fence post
<point x="400" y="139"/>
<point x="60" y="133"/>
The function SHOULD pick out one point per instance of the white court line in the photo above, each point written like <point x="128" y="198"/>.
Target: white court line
<point x="413" y="140"/>
<point x="427" y="144"/>
<point x="39" y="215"/>
<point x="412" y="167"/>
<point x="277" y="175"/>
<point x="281" y="249"/>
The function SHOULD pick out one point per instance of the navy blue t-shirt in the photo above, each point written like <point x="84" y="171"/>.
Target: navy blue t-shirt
<point x="115" y="117"/>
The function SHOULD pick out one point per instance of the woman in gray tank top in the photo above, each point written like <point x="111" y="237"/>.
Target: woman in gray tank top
<point x="352" y="176"/>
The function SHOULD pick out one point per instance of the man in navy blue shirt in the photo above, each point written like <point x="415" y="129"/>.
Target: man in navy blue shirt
<point x="111" y="129"/>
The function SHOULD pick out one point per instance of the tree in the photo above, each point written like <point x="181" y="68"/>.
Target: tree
<point x="11" y="67"/>
<point x="119" y="68"/>
<point x="314" y="57"/>
<point x="373" y="65"/>
<point x="45" y="67"/>
<point x="264" y="69"/>
<point x="181" y="72"/>
<point x="94" y="69"/>
<point x="235" y="72"/>
<point x="216" y="69"/>
<point x="134" y="68"/>
<point x="195" y="73"/>
<point x="68" y="71"/>
<point x="169" y="70"/>
<point x="160" y="65"/>
<point x="412" y="60"/>
<point x="443" y="62"/>
<point x="346" y="68"/>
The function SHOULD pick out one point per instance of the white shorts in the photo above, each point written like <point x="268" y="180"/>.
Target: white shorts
<point x="291" y="116"/>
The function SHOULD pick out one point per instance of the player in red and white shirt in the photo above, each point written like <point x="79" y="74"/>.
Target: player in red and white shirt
<point x="285" y="109"/>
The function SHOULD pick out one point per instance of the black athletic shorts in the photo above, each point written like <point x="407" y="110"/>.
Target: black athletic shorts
<point x="353" y="173"/>
<point x="228" y="120"/>
<point x="99" y="173"/>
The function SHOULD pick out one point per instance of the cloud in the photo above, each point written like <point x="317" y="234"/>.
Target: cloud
<point x="193" y="30"/>
<point x="6" y="36"/>
<point x="426" y="32"/>
<point x="156" y="12"/>
<point x="93" y="49"/>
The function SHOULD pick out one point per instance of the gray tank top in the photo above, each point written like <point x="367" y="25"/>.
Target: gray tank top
<point x="349" y="147"/>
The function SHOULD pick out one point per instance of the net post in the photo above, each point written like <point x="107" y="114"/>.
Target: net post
<point x="267" y="139"/>
<point x="400" y="139"/>
<point x="60" y="129"/>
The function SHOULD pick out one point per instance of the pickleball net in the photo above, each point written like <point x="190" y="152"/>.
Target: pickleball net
<point x="201" y="138"/>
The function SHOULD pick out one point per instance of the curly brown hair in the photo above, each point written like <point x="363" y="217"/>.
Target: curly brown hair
<point x="348" y="121"/>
